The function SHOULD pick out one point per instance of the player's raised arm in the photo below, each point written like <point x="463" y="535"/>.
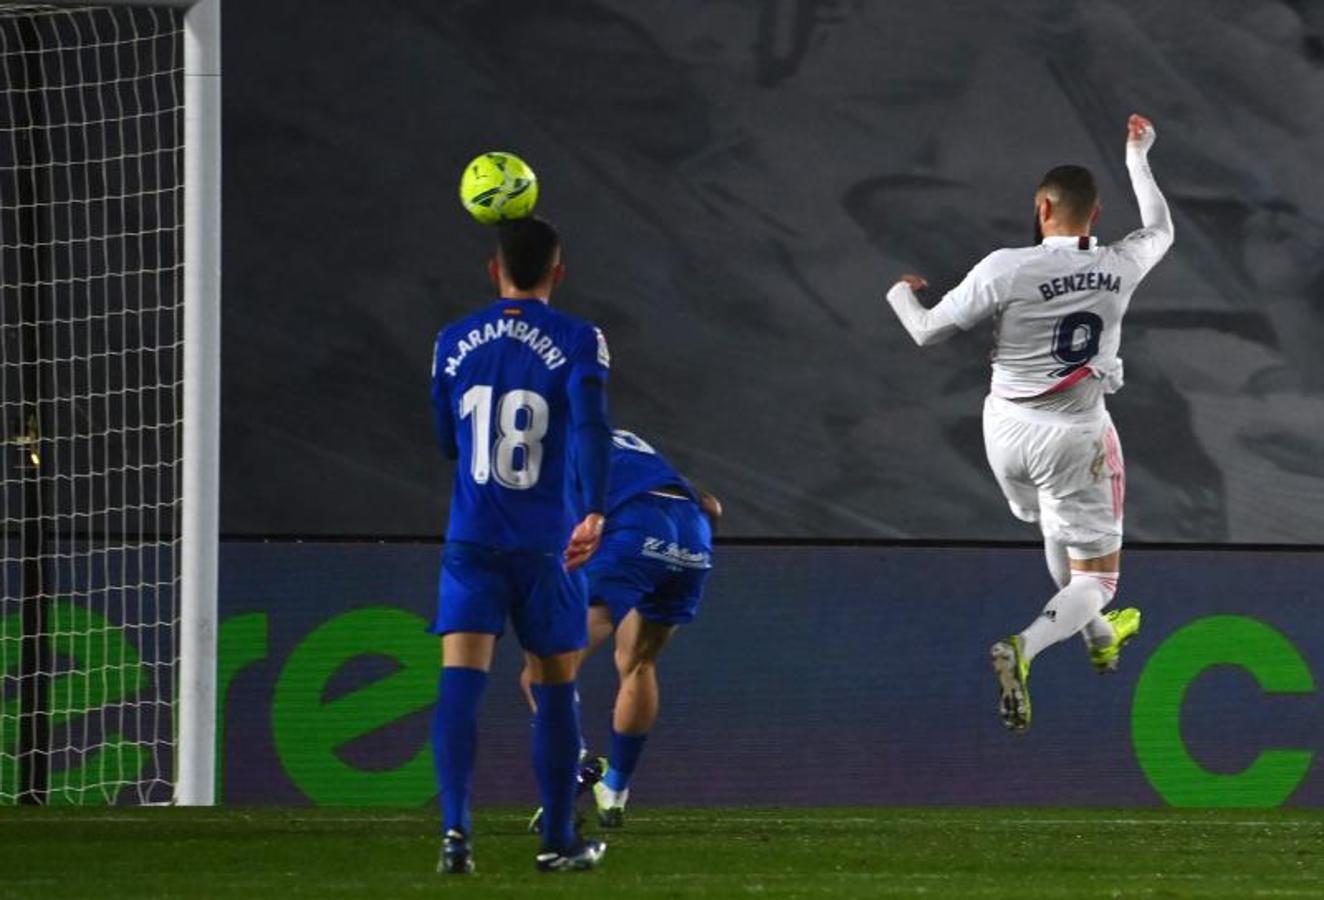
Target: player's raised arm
<point x="590" y="436"/>
<point x="1148" y="244"/>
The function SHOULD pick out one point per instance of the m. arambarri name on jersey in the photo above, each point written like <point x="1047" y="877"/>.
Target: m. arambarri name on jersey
<point x="1081" y="281"/>
<point x="541" y="344"/>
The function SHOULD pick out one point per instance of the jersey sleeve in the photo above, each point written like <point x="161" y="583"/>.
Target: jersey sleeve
<point x="590" y="433"/>
<point x="591" y="360"/>
<point x="1145" y="246"/>
<point x="441" y="404"/>
<point x="980" y="294"/>
<point x="925" y="326"/>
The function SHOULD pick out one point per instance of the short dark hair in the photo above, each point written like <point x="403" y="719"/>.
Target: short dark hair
<point x="527" y="248"/>
<point x="1075" y="189"/>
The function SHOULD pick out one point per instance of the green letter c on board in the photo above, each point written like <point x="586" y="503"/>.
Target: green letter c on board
<point x="1277" y="667"/>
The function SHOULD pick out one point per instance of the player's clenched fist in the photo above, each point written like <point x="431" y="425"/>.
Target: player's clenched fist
<point x="1139" y="133"/>
<point x="584" y="541"/>
<point x="916" y="282"/>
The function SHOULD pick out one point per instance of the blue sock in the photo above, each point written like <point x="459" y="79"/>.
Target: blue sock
<point x="622" y="759"/>
<point x="583" y="741"/>
<point x="555" y="761"/>
<point x="455" y="742"/>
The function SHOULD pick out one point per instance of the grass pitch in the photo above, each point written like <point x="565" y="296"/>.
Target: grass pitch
<point x="957" y="853"/>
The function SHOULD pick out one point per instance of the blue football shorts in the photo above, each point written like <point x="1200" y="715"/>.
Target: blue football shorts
<point x="483" y="587"/>
<point x="656" y="556"/>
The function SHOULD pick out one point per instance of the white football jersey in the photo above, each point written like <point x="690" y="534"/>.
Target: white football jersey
<point x="1058" y="309"/>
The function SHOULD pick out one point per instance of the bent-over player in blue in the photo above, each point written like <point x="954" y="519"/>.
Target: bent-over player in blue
<point x="519" y="390"/>
<point x="645" y="581"/>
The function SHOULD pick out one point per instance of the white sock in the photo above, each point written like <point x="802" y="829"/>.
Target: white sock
<point x="1097" y="632"/>
<point x="612" y="799"/>
<point x="1069" y="611"/>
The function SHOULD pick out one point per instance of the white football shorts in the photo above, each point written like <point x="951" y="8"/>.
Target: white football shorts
<point x="1065" y="472"/>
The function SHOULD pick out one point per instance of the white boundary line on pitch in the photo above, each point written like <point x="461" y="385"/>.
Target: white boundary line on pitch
<point x="916" y="820"/>
<point x="195" y="819"/>
<point x="221" y="816"/>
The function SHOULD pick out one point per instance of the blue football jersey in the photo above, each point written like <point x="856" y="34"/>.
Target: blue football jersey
<point x="500" y="383"/>
<point x="637" y="468"/>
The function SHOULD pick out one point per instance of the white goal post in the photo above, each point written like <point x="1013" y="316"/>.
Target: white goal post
<point x="195" y="783"/>
<point x="110" y="400"/>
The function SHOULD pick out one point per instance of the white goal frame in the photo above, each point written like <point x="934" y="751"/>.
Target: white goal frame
<point x="195" y="698"/>
<point x="195" y="773"/>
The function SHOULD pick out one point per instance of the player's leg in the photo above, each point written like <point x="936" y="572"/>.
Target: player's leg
<point x="1082" y="477"/>
<point x="678" y="585"/>
<point x="1098" y="631"/>
<point x="1023" y="499"/>
<point x="470" y="616"/>
<point x="1106" y="634"/>
<point x="616" y="590"/>
<point x="1071" y="467"/>
<point x="1092" y="586"/>
<point x="639" y="642"/>
<point x="1059" y="562"/>
<point x="551" y="619"/>
<point x="600" y="628"/>
<point x="466" y="660"/>
<point x="1005" y="440"/>
<point x="1094" y="568"/>
<point x="555" y="742"/>
<point x="610" y="599"/>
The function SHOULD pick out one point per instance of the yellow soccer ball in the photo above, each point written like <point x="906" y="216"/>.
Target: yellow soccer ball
<point x="498" y="186"/>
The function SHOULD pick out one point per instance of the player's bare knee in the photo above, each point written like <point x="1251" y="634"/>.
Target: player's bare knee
<point x="627" y="662"/>
<point x="632" y="662"/>
<point x="560" y="668"/>
<point x="1098" y="556"/>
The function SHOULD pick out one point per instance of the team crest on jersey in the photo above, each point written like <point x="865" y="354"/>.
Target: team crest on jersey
<point x="1096" y="467"/>
<point x="604" y="355"/>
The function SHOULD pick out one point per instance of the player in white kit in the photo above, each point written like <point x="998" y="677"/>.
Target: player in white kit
<point x="1058" y="309"/>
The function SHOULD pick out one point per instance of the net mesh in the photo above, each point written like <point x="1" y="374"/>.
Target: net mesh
<point x="91" y="369"/>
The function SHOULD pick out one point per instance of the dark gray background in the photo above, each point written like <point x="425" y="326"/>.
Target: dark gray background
<point x="737" y="184"/>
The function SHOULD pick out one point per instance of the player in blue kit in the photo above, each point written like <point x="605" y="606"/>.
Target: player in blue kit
<point x="645" y="581"/>
<point x="519" y="391"/>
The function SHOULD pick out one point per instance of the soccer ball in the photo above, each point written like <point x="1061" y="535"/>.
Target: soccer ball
<point x="498" y="186"/>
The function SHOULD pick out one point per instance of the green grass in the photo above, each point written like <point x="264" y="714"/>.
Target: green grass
<point x="958" y="853"/>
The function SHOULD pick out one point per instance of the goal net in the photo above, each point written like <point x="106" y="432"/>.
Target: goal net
<point x="92" y="398"/>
